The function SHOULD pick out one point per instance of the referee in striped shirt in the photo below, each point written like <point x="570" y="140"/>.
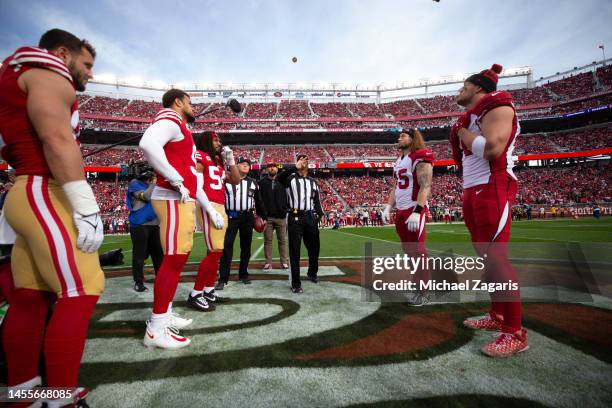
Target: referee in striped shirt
<point x="302" y="220"/>
<point x="240" y="201"/>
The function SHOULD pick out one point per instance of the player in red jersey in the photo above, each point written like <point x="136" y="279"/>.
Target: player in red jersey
<point x="169" y="148"/>
<point x="212" y="158"/>
<point x="52" y="209"/>
<point x="483" y="138"/>
<point x="412" y="175"/>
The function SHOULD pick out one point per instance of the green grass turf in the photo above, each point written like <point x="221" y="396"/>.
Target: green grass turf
<point x="349" y="242"/>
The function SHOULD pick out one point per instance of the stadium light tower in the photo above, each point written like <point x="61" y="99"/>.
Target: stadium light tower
<point x="603" y="51"/>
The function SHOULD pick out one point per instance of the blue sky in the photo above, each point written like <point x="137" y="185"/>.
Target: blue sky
<point x="335" y="41"/>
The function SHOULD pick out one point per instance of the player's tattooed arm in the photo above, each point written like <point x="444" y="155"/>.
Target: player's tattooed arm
<point x="424" y="176"/>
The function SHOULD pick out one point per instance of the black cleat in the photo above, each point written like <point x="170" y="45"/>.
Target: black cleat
<point x="213" y="298"/>
<point x="313" y="279"/>
<point x="246" y="281"/>
<point x="297" y="290"/>
<point x="140" y="287"/>
<point x="199" y="302"/>
<point x="220" y="285"/>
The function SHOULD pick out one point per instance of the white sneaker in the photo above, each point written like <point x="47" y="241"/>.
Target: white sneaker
<point x="164" y="337"/>
<point x="267" y="267"/>
<point x="178" y="321"/>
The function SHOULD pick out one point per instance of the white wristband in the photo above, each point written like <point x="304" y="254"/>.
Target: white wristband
<point x="81" y="197"/>
<point x="478" y="146"/>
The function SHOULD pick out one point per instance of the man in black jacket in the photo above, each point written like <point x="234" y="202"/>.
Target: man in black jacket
<point x="303" y="219"/>
<point x="275" y="199"/>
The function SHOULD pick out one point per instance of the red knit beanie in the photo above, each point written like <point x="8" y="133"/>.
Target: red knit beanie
<point x="487" y="79"/>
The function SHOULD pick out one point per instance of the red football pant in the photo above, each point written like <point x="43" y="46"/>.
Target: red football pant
<point x="6" y="282"/>
<point x="166" y="281"/>
<point x="487" y="211"/>
<point x="64" y="336"/>
<point x="413" y="243"/>
<point x="207" y="271"/>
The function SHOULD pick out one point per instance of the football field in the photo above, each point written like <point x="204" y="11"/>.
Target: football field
<point x="331" y="347"/>
<point x="349" y="242"/>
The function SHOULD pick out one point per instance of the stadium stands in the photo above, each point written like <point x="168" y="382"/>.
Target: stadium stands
<point x="567" y="186"/>
<point x="604" y="75"/>
<point x="362" y="191"/>
<point x="364" y="110"/>
<point x="294" y="109"/>
<point x="142" y="109"/>
<point x="439" y="104"/>
<point x="531" y="96"/>
<point x="111" y="157"/>
<point x="406" y="107"/>
<point x="573" y="86"/>
<point x="575" y="140"/>
<point x="330" y="110"/>
<point x="103" y="105"/>
<point x="535" y="144"/>
<point x="260" y="110"/>
<point x="587" y="139"/>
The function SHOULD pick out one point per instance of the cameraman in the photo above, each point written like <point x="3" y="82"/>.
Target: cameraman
<point x="144" y="227"/>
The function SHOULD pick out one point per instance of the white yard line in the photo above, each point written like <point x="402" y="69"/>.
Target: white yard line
<point x="261" y="247"/>
<point x="368" y="238"/>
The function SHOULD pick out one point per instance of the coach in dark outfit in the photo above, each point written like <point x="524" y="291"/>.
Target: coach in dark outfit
<point x="303" y="219"/>
<point x="240" y="201"/>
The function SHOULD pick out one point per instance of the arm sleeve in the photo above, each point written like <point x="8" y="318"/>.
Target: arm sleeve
<point x="201" y="196"/>
<point x="152" y="144"/>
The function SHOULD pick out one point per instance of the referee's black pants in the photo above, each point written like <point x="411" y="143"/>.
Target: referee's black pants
<point x="243" y="223"/>
<point x="145" y="243"/>
<point x="303" y="226"/>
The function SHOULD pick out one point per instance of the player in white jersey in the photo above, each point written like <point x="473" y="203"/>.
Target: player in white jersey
<point x="412" y="175"/>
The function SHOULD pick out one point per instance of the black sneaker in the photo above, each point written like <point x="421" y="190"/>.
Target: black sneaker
<point x="212" y="297"/>
<point x="313" y="279"/>
<point x="297" y="290"/>
<point x="140" y="287"/>
<point x="246" y="281"/>
<point x="199" y="302"/>
<point x="221" y="285"/>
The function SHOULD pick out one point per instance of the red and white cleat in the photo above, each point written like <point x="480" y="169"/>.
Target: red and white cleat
<point x="488" y="322"/>
<point x="164" y="337"/>
<point x="507" y="344"/>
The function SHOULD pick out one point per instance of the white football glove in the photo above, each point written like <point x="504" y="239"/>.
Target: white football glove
<point x="216" y="218"/>
<point x="386" y="215"/>
<point x="413" y="222"/>
<point x="228" y="156"/>
<point x="178" y="186"/>
<point x="90" y="232"/>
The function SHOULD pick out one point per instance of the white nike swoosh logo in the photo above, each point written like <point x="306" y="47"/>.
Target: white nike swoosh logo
<point x="478" y="192"/>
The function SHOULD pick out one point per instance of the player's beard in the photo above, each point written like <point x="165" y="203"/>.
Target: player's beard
<point x="190" y="117"/>
<point x="77" y="78"/>
<point x="465" y="100"/>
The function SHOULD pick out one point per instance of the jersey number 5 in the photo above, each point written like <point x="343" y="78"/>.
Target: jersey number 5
<point x="402" y="179"/>
<point x="215" y="176"/>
